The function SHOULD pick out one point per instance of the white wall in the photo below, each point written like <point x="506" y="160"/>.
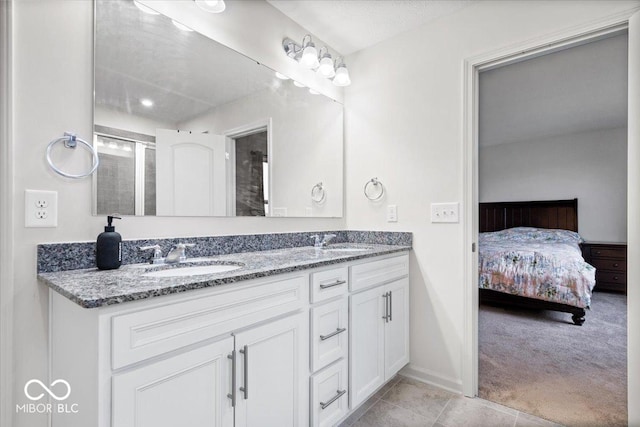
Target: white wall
<point x="404" y="124"/>
<point x="52" y="83"/>
<point x="591" y="166"/>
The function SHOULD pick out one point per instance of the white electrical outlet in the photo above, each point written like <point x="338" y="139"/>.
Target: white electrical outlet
<point x="40" y="208"/>
<point x="392" y="213"/>
<point x="445" y="212"/>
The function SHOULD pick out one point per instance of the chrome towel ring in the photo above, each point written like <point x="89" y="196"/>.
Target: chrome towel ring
<point x="373" y="189"/>
<point x="318" y="193"/>
<point x="70" y="140"/>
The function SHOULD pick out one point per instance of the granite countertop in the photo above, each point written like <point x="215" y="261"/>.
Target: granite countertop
<point x="91" y="288"/>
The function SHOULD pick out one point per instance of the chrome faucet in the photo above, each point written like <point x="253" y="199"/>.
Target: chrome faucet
<point x="319" y="244"/>
<point x="177" y="253"/>
<point x="157" y="253"/>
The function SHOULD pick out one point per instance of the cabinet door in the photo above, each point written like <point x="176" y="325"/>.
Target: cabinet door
<point x="396" y="346"/>
<point x="272" y="374"/>
<point x="366" y="361"/>
<point x="189" y="389"/>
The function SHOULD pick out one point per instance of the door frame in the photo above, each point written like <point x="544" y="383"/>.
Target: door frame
<point x="575" y="36"/>
<point x="231" y="135"/>
<point x="6" y="216"/>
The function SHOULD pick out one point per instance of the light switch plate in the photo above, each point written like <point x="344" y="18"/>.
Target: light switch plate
<point x="392" y="213"/>
<point x="40" y="208"/>
<point x="445" y="212"/>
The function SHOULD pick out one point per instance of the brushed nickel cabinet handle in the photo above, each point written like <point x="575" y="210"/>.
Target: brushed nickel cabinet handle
<point x="332" y="334"/>
<point x="323" y="405"/>
<point x="245" y="389"/>
<point x="232" y="395"/>
<point x="386" y="307"/>
<point x="331" y="285"/>
<point x="390" y="306"/>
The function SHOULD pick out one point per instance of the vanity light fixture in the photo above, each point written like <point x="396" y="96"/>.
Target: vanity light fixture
<point x="211" y="6"/>
<point x="308" y="56"/>
<point x="298" y="84"/>
<point x="145" y="9"/>
<point x="281" y="76"/>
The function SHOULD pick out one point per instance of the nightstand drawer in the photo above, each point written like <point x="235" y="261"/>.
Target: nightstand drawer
<point x="609" y="252"/>
<point x="616" y="265"/>
<point x="611" y="277"/>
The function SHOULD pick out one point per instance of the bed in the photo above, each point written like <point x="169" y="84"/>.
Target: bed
<point x="529" y="255"/>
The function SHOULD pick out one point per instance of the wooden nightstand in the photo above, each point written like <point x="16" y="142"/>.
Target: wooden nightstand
<point x="610" y="261"/>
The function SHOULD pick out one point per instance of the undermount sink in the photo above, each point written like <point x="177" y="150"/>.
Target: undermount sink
<point x="194" y="270"/>
<point x="347" y="249"/>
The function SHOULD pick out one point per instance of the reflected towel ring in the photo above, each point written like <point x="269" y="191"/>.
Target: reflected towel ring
<point x="373" y="189"/>
<point x="318" y="193"/>
<point x="71" y="141"/>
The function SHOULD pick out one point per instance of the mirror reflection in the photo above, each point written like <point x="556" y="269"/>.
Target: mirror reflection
<point x="185" y="126"/>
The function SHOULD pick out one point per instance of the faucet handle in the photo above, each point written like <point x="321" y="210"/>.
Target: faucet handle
<point x="316" y="238"/>
<point x="157" y="252"/>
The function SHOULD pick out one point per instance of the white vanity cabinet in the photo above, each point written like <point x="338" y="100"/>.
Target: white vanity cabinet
<point x="188" y="389"/>
<point x="291" y="350"/>
<point x="379" y="325"/>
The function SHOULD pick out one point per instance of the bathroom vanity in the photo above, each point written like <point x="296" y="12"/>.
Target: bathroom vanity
<point x="293" y="337"/>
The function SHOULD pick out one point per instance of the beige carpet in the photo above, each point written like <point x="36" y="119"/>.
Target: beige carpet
<point x="540" y="363"/>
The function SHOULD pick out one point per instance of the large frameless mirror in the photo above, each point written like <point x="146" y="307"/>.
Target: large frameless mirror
<point x="185" y="126"/>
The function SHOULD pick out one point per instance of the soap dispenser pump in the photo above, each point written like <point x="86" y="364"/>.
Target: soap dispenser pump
<point x="109" y="247"/>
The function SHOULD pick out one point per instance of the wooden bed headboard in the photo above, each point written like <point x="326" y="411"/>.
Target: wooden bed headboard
<point x="542" y="214"/>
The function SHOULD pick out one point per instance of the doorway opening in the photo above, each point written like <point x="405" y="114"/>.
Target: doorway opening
<point x="251" y="174"/>
<point x="473" y="66"/>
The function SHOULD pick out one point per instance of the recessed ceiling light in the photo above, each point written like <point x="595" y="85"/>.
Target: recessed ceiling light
<point x="298" y="84"/>
<point x="146" y="102"/>
<point x="145" y="9"/>
<point x="181" y="26"/>
<point x="212" y="6"/>
<point x="281" y="76"/>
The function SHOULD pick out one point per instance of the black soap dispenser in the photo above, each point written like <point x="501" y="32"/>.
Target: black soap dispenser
<point x="109" y="247"/>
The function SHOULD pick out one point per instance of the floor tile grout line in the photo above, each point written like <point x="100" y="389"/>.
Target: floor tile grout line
<point x="405" y="409"/>
<point x="442" y="410"/>
<point x="515" y="422"/>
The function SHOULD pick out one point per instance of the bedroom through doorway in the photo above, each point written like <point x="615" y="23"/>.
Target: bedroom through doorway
<point x="553" y="129"/>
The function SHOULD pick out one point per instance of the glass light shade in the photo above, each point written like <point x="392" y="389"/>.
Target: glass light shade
<point x="281" y="76"/>
<point x="342" y="76"/>
<point x="211" y="6"/>
<point x="326" y="67"/>
<point x="309" y="58"/>
<point x="298" y="84"/>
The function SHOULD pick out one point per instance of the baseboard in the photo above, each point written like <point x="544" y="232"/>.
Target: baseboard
<point x="423" y="375"/>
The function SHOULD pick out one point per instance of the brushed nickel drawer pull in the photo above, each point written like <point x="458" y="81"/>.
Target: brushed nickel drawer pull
<point x="331" y="285"/>
<point x="386" y="307"/>
<point x="323" y="405"/>
<point x="332" y="334"/>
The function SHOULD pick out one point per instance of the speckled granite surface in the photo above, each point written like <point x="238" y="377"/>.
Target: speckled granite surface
<point x="91" y="288"/>
<point x="73" y="256"/>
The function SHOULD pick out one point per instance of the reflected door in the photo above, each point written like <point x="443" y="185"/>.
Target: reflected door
<point x="191" y="177"/>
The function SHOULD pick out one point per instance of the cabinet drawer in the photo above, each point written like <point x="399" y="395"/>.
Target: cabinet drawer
<point x="143" y="334"/>
<point x="328" y="284"/>
<point x="617" y="265"/>
<point x="611" y="277"/>
<point x="609" y="252"/>
<point x="329" y="400"/>
<point x="377" y="272"/>
<point x="329" y="334"/>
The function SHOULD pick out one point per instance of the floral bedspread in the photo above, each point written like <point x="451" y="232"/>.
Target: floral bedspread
<point x="536" y="263"/>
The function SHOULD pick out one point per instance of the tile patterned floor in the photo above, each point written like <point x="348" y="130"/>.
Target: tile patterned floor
<point x="404" y="402"/>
